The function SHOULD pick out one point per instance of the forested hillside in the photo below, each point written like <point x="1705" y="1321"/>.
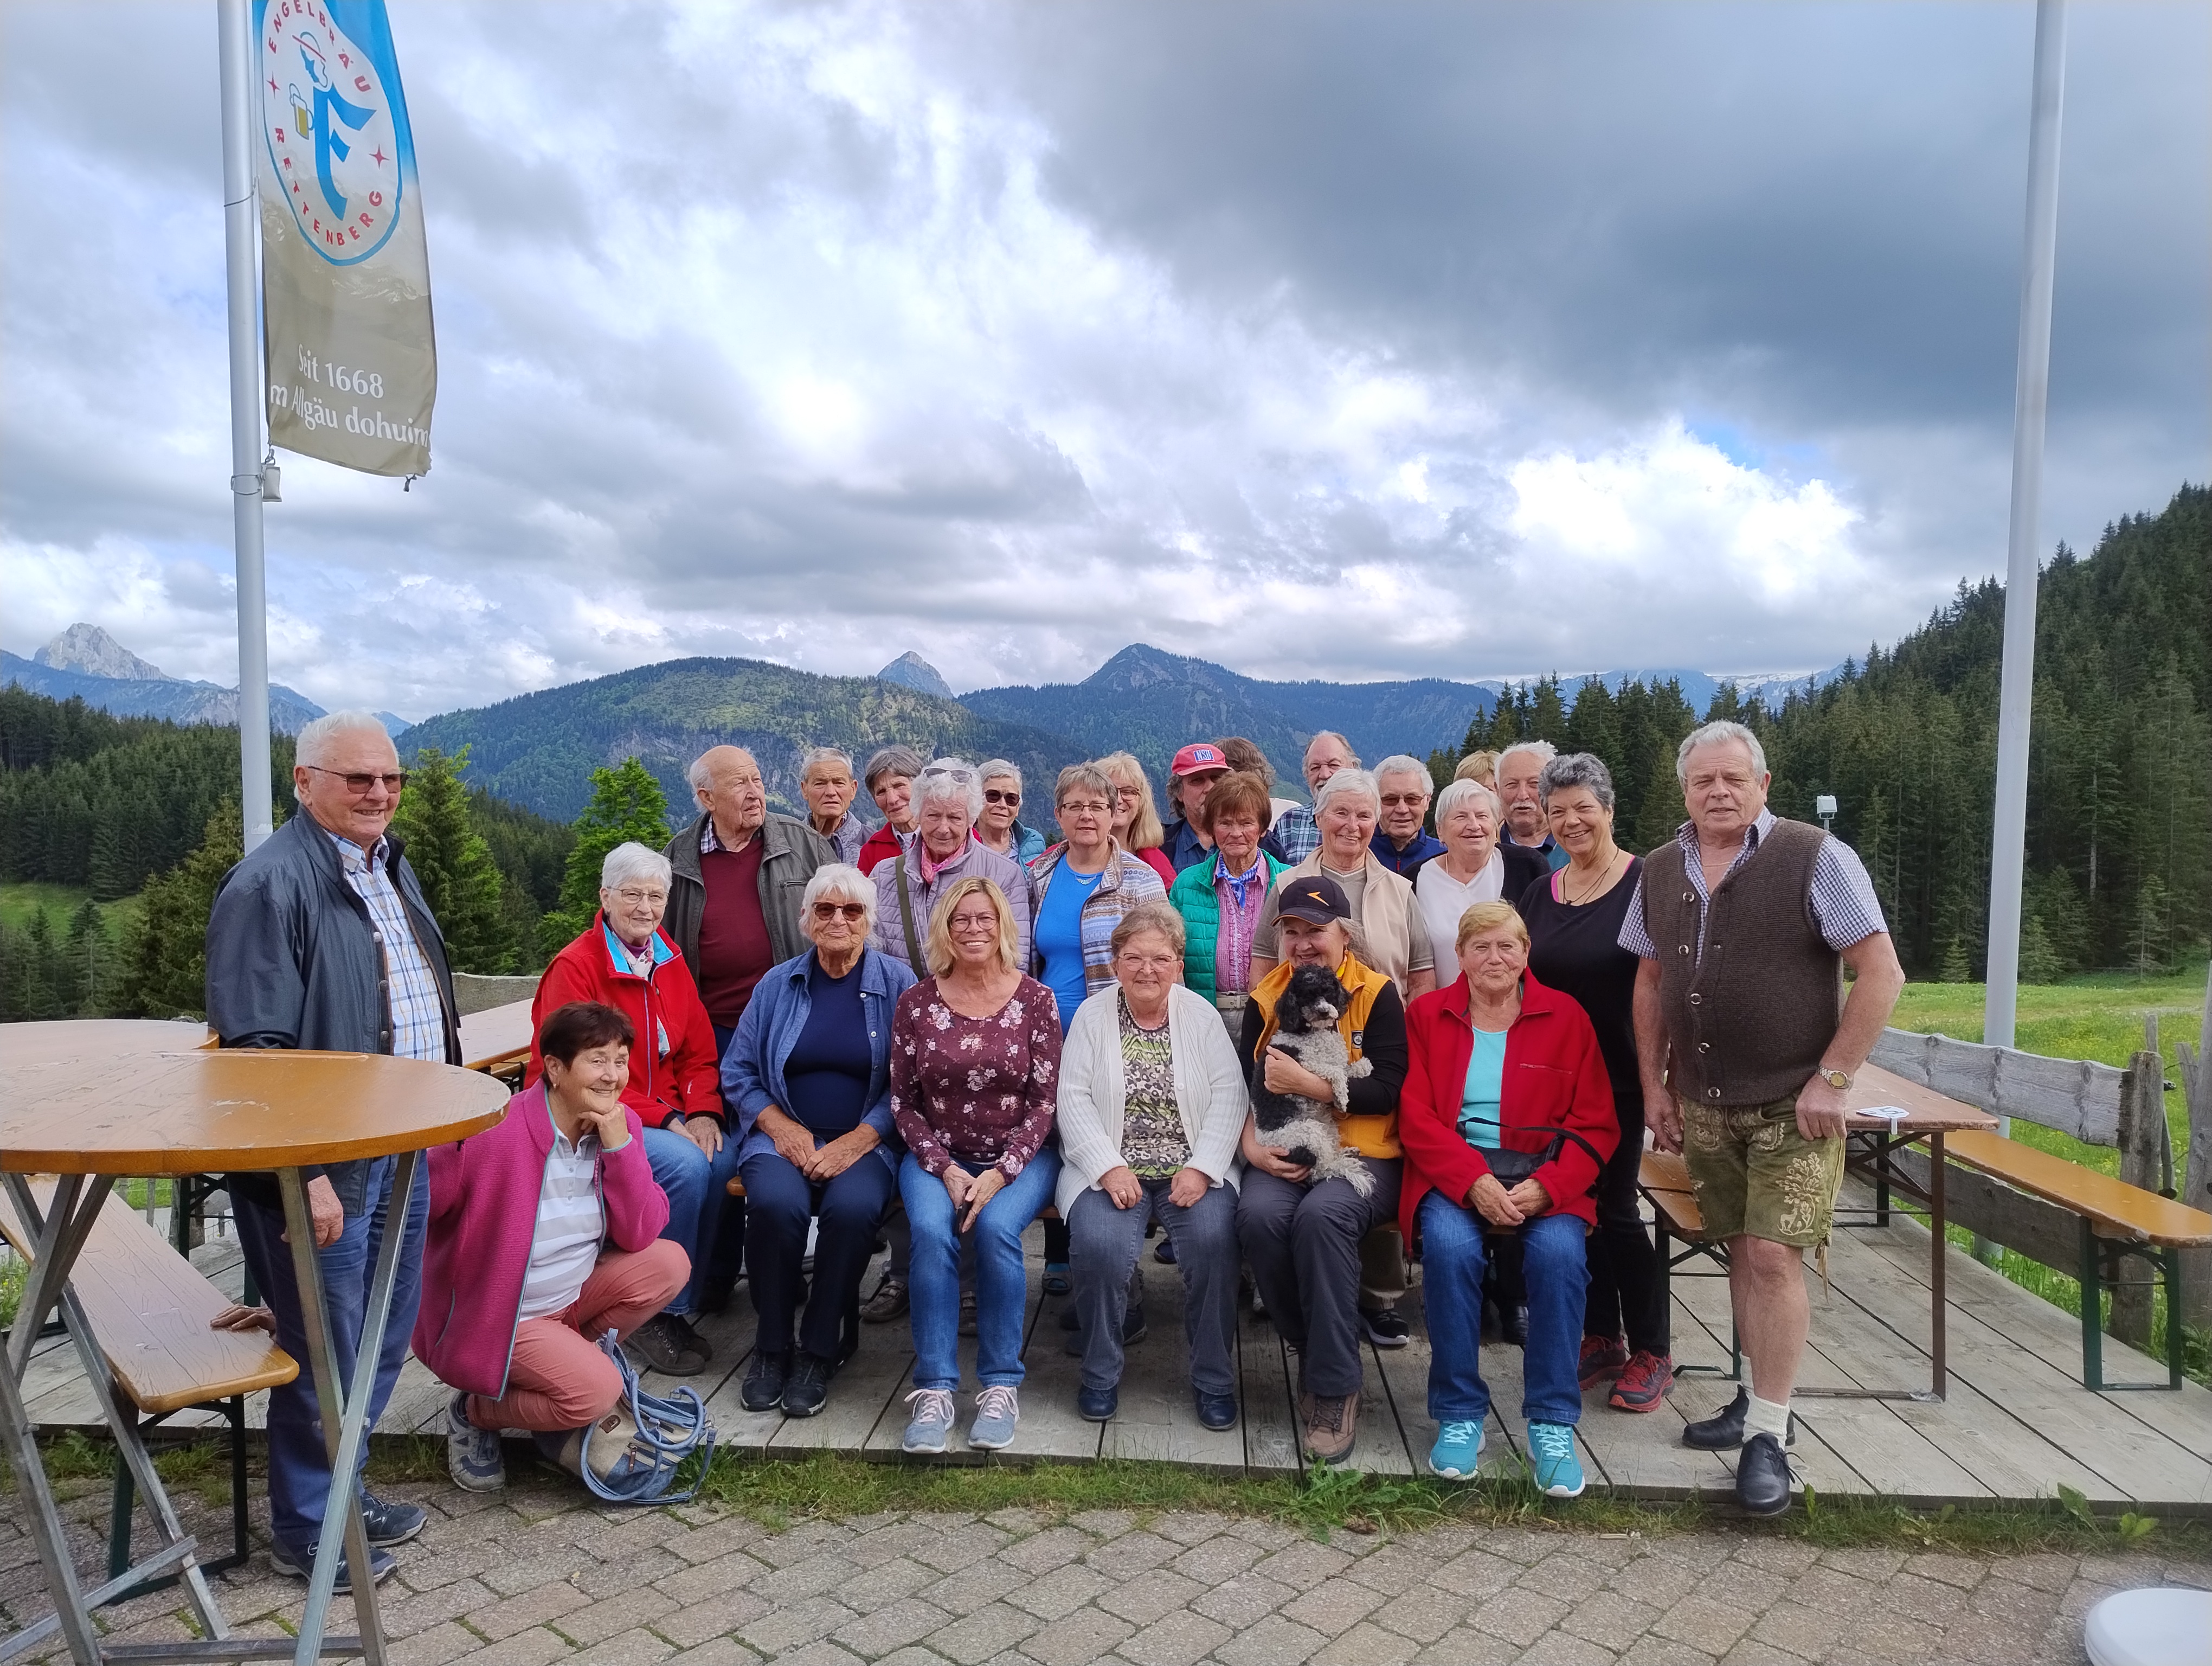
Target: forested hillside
<point x="2119" y="841"/>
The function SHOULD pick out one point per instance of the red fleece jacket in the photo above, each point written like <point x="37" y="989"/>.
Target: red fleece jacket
<point x="1554" y="1078"/>
<point x="685" y="1081"/>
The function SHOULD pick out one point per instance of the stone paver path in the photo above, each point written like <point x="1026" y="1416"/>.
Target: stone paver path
<point x="532" y="1575"/>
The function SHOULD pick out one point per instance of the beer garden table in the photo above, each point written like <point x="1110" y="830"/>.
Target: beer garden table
<point x="106" y="1109"/>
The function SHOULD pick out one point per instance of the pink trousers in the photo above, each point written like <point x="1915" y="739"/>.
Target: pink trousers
<point x="558" y="1378"/>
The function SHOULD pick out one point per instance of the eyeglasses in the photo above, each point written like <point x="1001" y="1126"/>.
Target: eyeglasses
<point x="1090" y="807"/>
<point x="831" y="910"/>
<point x="999" y="795"/>
<point x="637" y="899"/>
<point x="1156" y="963"/>
<point x="1412" y="800"/>
<point x="968" y="924"/>
<point x="949" y="774"/>
<point x="361" y="786"/>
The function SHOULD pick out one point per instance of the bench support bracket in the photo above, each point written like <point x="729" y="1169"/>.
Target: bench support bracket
<point x="2100" y="1259"/>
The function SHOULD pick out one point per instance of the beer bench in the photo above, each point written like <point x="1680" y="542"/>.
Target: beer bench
<point x="150" y="1309"/>
<point x="1664" y="1180"/>
<point x="2117" y="1220"/>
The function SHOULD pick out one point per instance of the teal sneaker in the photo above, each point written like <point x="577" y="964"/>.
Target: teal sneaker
<point x="1458" y="1447"/>
<point x="1552" y="1455"/>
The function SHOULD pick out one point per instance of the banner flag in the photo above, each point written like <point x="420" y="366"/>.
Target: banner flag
<point x="351" y="365"/>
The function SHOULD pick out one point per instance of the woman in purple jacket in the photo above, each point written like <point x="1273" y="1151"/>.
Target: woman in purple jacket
<point x="519" y="1283"/>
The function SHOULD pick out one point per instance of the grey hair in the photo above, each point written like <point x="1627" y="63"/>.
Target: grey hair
<point x="891" y="761"/>
<point x="998" y="769"/>
<point x="1577" y="770"/>
<point x="840" y="882"/>
<point x="1155" y="915"/>
<point x="1086" y="775"/>
<point x="948" y="778"/>
<point x="311" y="745"/>
<point x="814" y="757"/>
<point x="1347" y="781"/>
<point x="1404" y="764"/>
<point x="1717" y="734"/>
<point x="1459" y="792"/>
<point x="1342" y="740"/>
<point x="1543" y="750"/>
<point x="699" y="777"/>
<point x="633" y="861"/>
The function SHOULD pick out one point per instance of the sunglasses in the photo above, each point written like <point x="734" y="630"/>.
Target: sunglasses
<point x="999" y="795"/>
<point x="831" y="910"/>
<point x="361" y="786"/>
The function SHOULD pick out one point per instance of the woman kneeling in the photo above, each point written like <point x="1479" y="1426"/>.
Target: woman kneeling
<point x="1504" y="1077"/>
<point x="518" y="1287"/>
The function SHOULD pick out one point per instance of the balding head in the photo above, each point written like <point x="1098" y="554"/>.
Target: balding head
<point x="727" y="784"/>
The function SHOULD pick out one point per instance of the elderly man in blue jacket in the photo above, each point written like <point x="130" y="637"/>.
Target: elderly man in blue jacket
<point x="321" y="939"/>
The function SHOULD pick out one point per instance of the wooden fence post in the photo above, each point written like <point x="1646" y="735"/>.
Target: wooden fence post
<point x="2142" y="1132"/>
<point x="2196" y="1170"/>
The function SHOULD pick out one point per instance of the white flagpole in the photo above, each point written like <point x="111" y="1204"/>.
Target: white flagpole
<point x="2016" y="696"/>
<point x="234" y="30"/>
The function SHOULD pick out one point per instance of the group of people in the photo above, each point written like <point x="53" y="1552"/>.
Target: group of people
<point x="948" y="1010"/>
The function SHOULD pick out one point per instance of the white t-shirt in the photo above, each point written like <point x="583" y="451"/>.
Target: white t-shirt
<point x="1443" y="899"/>
<point x="564" y="1246"/>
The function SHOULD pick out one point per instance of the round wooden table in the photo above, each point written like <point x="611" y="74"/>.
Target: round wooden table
<point x="108" y="1108"/>
<point x="61" y="1039"/>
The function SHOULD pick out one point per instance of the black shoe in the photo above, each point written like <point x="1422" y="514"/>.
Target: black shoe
<point x="1097" y="1405"/>
<point x="1163" y="1252"/>
<point x="1513" y="1323"/>
<point x="764" y="1383"/>
<point x="669" y="1345"/>
<point x="1723" y="1430"/>
<point x="1217" y="1411"/>
<point x="299" y="1564"/>
<point x="966" y="1313"/>
<point x="390" y="1524"/>
<point x="808" y="1388"/>
<point x="889" y="1303"/>
<point x="1762" y="1477"/>
<point x="1384" y="1328"/>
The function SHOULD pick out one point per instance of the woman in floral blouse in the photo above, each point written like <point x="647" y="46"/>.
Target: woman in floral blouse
<point x="974" y="1072"/>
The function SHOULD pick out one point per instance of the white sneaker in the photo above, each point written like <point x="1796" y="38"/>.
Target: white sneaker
<point x="997" y="1410"/>
<point x="932" y="1422"/>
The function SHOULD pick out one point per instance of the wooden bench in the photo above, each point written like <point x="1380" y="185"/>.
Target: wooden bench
<point x="1664" y="1179"/>
<point x="148" y="1309"/>
<point x="2117" y="1220"/>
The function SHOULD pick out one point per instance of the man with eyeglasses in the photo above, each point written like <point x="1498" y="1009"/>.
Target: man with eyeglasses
<point x="321" y="939"/>
<point x="738" y="876"/>
<point x="1400" y="843"/>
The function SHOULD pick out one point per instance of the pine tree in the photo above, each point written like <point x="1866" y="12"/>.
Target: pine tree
<point x="2148" y="941"/>
<point x="627" y="803"/>
<point x="168" y="960"/>
<point x="2039" y="960"/>
<point x="454" y="865"/>
<point x="37" y="995"/>
<point x="1957" y="969"/>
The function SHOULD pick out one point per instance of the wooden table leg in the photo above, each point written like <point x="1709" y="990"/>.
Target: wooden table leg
<point x="1939" y="1373"/>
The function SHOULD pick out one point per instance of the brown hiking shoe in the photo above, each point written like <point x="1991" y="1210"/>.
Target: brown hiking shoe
<point x="1331" y="1425"/>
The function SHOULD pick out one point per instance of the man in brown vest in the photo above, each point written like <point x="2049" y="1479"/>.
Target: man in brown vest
<point x="1739" y="924"/>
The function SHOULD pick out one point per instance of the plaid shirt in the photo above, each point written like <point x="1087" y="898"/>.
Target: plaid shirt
<point x="1296" y="833"/>
<point x="1840" y="898"/>
<point x="418" y="1015"/>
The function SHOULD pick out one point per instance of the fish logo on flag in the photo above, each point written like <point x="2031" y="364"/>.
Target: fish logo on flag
<point x="351" y="358"/>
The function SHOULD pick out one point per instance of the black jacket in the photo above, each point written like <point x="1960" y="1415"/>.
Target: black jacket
<point x="293" y="961"/>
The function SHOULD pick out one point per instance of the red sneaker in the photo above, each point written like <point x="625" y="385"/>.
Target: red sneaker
<point x="1602" y="1360"/>
<point x="1643" y="1382"/>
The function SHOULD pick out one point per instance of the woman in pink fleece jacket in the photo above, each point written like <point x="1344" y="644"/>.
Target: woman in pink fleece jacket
<point x="518" y="1283"/>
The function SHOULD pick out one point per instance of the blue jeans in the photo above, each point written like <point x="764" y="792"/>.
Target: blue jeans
<point x="780" y="1202"/>
<point x="1001" y="1282"/>
<point x="696" y="1186"/>
<point x="1453" y="1252"/>
<point x="299" y="1464"/>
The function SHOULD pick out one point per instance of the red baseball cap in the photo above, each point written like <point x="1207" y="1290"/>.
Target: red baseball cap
<point x="1196" y="757"/>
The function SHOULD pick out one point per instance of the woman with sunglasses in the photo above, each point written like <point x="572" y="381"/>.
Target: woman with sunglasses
<point x="1000" y="826"/>
<point x="807" y="1079"/>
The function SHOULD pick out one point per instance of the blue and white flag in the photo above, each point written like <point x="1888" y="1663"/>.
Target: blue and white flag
<point x="352" y="366"/>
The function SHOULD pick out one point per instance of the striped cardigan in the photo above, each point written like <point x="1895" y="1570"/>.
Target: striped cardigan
<point x="1126" y="883"/>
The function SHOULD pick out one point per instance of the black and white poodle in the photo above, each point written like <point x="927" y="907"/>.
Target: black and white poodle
<point x="1305" y="1030"/>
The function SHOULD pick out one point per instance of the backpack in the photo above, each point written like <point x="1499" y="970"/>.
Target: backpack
<point x="631" y="1454"/>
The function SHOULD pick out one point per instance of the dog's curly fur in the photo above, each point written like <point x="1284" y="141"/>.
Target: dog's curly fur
<point x="1305" y="1029"/>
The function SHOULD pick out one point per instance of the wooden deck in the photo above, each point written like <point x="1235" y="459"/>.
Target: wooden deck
<point x="2017" y="1423"/>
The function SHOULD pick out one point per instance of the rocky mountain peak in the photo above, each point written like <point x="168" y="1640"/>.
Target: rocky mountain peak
<point x="911" y="671"/>
<point x="89" y="649"/>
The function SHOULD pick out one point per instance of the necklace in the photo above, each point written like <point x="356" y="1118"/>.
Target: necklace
<point x="1597" y="886"/>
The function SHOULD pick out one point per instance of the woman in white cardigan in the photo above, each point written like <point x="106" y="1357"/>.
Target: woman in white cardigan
<point x="1152" y="1104"/>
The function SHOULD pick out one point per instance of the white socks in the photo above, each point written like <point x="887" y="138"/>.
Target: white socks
<point x="1765" y="1417"/>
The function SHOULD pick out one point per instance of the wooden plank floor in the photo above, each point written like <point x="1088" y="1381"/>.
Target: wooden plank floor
<point x="2016" y="1426"/>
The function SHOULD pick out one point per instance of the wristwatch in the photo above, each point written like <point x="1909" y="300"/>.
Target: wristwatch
<point x="1838" y="1079"/>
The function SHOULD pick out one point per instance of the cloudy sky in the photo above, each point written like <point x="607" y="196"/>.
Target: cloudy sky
<point x="1347" y="339"/>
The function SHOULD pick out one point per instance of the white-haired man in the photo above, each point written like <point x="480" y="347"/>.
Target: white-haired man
<point x="1400" y="843"/>
<point x="1519" y="774"/>
<point x="1740" y="922"/>
<point x="1296" y="836"/>
<point x="322" y="939"/>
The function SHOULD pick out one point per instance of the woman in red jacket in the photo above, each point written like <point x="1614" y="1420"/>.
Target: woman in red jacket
<point x="624" y="961"/>
<point x="1503" y="1075"/>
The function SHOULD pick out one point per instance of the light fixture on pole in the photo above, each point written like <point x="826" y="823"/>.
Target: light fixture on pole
<point x="1825" y="807"/>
